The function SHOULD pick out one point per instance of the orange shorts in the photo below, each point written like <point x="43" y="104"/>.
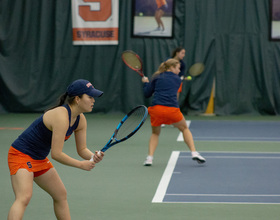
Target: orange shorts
<point x="160" y="3"/>
<point x="18" y="160"/>
<point x="160" y="114"/>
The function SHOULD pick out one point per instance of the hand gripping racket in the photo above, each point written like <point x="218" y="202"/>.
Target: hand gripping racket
<point x="128" y="126"/>
<point x="133" y="61"/>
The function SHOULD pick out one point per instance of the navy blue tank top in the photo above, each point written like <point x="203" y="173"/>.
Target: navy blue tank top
<point x="36" y="140"/>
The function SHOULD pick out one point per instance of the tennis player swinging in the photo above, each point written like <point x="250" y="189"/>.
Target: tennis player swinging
<point x="165" y="107"/>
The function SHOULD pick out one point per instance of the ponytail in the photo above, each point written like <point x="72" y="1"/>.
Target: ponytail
<point x="63" y="99"/>
<point x="165" y="66"/>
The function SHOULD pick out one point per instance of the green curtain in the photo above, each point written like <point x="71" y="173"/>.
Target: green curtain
<point x="38" y="60"/>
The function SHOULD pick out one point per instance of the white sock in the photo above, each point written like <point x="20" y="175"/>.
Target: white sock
<point x="150" y="157"/>
<point x="195" y="153"/>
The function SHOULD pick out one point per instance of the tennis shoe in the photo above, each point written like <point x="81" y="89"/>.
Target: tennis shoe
<point x="148" y="161"/>
<point x="196" y="156"/>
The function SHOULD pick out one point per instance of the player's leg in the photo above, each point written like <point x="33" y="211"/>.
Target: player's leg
<point x="153" y="143"/>
<point x="157" y="19"/>
<point x="52" y="184"/>
<point x="187" y="135"/>
<point x="188" y="139"/>
<point x="160" y="22"/>
<point x="22" y="183"/>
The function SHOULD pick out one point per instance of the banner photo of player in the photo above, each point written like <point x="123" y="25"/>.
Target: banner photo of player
<point x="95" y="23"/>
<point x="275" y="20"/>
<point x="153" y="18"/>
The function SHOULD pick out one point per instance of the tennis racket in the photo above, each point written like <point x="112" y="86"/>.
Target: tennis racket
<point x="128" y="126"/>
<point x="133" y="61"/>
<point x="196" y="69"/>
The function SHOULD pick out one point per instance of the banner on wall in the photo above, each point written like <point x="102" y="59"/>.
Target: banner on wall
<point x="95" y="22"/>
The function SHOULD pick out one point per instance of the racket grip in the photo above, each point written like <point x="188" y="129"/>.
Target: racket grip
<point x="98" y="153"/>
<point x="91" y="159"/>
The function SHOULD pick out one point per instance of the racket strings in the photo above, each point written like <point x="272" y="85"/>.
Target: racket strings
<point x="131" y="124"/>
<point x="196" y="69"/>
<point x="132" y="60"/>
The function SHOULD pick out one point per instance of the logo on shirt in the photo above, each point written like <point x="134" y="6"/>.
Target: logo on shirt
<point x="29" y="164"/>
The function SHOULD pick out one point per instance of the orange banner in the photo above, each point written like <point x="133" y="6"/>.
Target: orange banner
<point x="95" y="22"/>
<point x="95" y="34"/>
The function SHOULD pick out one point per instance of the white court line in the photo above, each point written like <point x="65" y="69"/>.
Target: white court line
<point x="180" y="137"/>
<point x="166" y="177"/>
<point x="235" y="138"/>
<point x="231" y="203"/>
<point x="234" y="157"/>
<point x="227" y="195"/>
<point x="235" y="152"/>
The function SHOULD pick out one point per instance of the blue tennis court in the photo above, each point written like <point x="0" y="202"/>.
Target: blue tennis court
<point x="234" y="130"/>
<point x="225" y="178"/>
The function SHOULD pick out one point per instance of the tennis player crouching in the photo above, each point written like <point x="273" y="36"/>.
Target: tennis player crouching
<point x="165" y="108"/>
<point x="27" y="157"/>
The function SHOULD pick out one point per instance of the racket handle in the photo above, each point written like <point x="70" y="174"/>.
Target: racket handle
<point x="98" y="153"/>
<point x="91" y="159"/>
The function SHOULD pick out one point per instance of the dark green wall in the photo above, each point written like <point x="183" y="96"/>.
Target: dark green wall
<point x="38" y="60"/>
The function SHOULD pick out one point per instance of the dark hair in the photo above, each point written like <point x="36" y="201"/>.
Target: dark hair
<point x="178" y="49"/>
<point x="64" y="99"/>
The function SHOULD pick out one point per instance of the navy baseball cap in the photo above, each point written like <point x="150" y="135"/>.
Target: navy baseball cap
<point x="82" y="86"/>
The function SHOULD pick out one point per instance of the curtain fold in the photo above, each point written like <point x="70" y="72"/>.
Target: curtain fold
<point x="38" y="60"/>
